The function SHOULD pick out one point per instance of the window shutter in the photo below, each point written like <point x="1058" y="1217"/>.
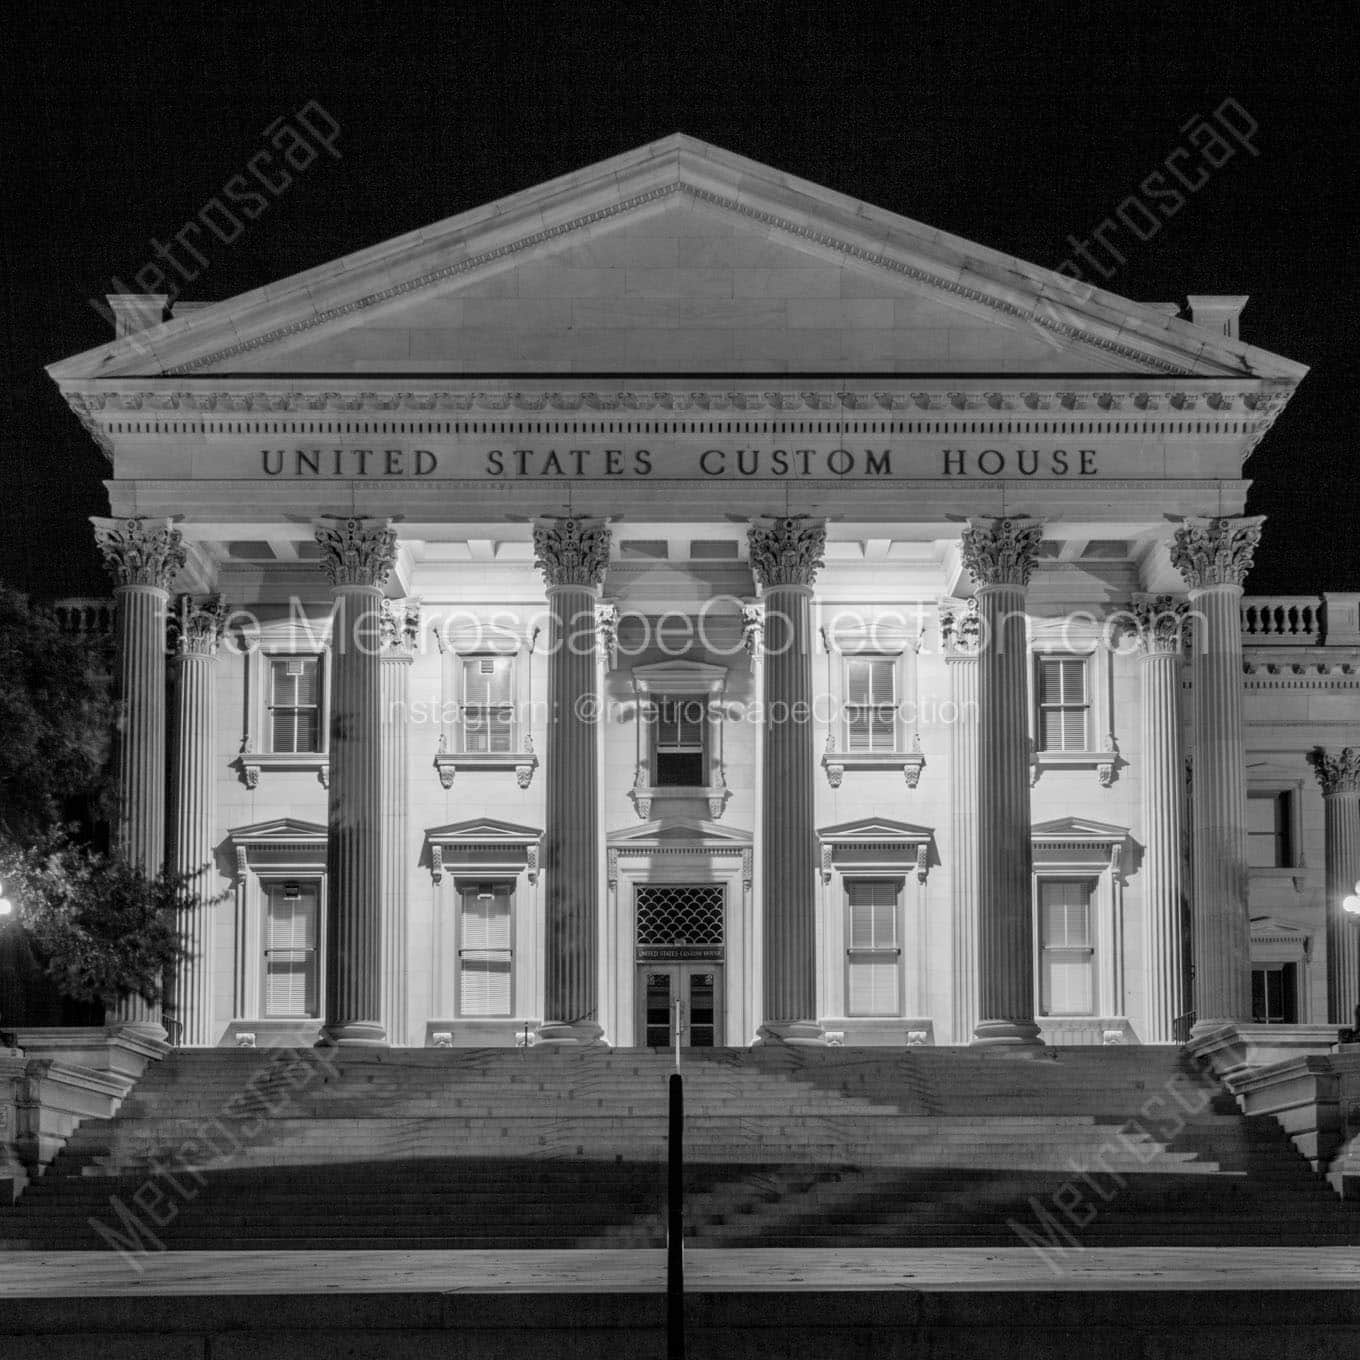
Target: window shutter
<point x="874" y="963"/>
<point x="290" y="961"/>
<point x="488" y="704"/>
<point x="1067" y="959"/>
<point x="485" y="955"/>
<point x="1063" y="704"/>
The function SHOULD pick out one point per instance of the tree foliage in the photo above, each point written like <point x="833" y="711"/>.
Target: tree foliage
<point x="103" y="928"/>
<point x="57" y="716"/>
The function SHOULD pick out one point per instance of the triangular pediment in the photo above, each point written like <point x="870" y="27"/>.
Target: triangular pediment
<point x="486" y="830"/>
<point x="677" y="257"/>
<point x="1078" y="829"/>
<point x="875" y="829"/>
<point x="678" y="830"/>
<point x="1267" y="927"/>
<point x="279" y="829"/>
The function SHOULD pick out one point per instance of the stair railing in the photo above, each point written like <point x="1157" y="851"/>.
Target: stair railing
<point x="1181" y="1027"/>
<point x="675" y="1218"/>
<point x="678" y="1025"/>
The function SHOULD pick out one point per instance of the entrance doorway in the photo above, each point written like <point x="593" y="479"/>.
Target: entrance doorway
<point x="698" y="989"/>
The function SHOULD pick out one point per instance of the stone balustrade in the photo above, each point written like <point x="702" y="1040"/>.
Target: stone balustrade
<point x="1331" y="619"/>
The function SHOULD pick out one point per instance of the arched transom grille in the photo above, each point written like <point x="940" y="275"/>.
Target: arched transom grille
<point x="690" y="914"/>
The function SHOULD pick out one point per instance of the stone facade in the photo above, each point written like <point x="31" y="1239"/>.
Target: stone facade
<point x="831" y="695"/>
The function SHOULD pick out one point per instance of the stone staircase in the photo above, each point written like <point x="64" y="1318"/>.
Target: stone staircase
<point x="548" y="1147"/>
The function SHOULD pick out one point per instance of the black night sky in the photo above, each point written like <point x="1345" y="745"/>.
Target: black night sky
<point x="1012" y="125"/>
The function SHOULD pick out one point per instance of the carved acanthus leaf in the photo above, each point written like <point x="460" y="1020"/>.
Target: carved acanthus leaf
<point x="571" y="551"/>
<point x="356" y="551"/>
<point x="1216" y="552"/>
<point x="1001" y="552"/>
<point x="140" y="552"/>
<point x="787" y="551"/>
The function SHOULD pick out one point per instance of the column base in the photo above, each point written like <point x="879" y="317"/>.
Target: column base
<point x="796" y="1033"/>
<point x="1006" y="1034"/>
<point x="574" y="1033"/>
<point x="147" y="1031"/>
<point x="357" y="1034"/>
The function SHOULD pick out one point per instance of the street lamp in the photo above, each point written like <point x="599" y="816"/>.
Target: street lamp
<point x="1350" y="904"/>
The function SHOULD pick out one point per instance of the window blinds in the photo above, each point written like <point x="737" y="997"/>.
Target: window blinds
<point x="873" y="957"/>
<point x="485" y="956"/>
<point x="290" y="975"/>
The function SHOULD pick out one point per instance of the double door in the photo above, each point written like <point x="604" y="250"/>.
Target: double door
<point x="697" y="988"/>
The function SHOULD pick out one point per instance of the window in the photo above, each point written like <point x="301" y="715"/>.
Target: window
<point x="488" y="704"/>
<point x="1269" y="829"/>
<point x="294" y="704"/>
<point x="1063" y="704"/>
<point x="870" y="703"/>
<point x="1066" y="956"/>
<point x="1275" y="994"/>
<point x="484" y="954"/>
<point x="873" y="956"/>
<point x="290" y="955"/>
<point x="678" y="749"/>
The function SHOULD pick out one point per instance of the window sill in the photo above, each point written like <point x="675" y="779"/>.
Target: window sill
<point x="835" y="763"/>
<point x="1105" y="763"/>
<point x="524" y="763"/>
<point x="253" y="763"/>
<point x="644" y="795"/>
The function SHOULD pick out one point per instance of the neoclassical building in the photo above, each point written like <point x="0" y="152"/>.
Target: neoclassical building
<point x="680" y="597"/>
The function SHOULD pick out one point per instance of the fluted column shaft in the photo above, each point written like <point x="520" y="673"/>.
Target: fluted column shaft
<point x="143" y="556"/>
<point x="1339" y="776"/>
<point x="1214" y="557"/>
<point x="1159" y="627"/>
<point x="999" y="555"/>
<point x="357" y="555"/>
<point x="573" y="555"/>
<point x="786" y="555"/>
<point x="961" y="664"/>
<point x="399" y="634"/>
<point x="193" y="817"/>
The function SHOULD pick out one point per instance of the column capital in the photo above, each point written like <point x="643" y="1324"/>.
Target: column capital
<point x="356" y="550"/>
<point x="1215" y="552"/>
<point x="139" y="551"/>
<point x="788" y="551"/>
<point x="1339" y="773"/>
<point x="571" y="551"/>
<point x="1158" y="622"/>
<point x="195" y="625"/>
<point x="1002" y="552"/>
<point x="400" y="626"/>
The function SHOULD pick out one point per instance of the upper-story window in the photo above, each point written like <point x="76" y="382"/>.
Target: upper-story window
<point x="295" y="704"/>
<point x="870" y="703"/>
<point x="488" y="707"/>
<point x="1270" y="828"/>
<point x="679" y="746"/>
<point x="1064" y="703"/>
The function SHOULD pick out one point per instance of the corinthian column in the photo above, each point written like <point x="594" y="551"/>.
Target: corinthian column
<point x="196" y="628"/>
<point x="143" y="556"/>
<point x="357" y="556"/>
<point x="573" y="555"/>
<point x="1214" y="556"/>
<point x="1339" y="776"/>
<point x="959" y="632"/>
<point x="786" y="555"/>
<point x="1159" y="622"/>
<point x="400" y="628"/>
<point x="1000" y="555"/>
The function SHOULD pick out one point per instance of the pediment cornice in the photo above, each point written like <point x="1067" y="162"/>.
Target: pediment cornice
<point x="696" y="176"/>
